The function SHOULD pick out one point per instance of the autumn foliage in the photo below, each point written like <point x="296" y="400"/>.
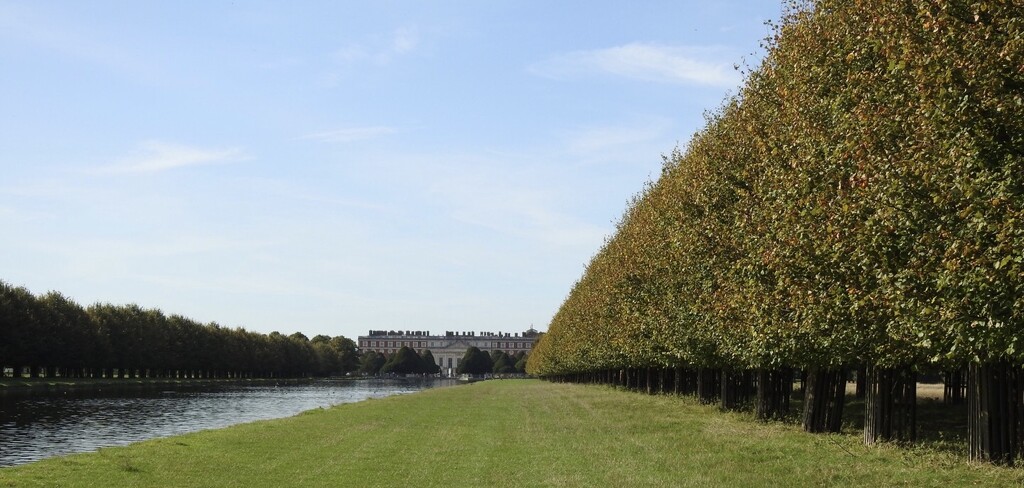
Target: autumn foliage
<point x="860" y="201"/>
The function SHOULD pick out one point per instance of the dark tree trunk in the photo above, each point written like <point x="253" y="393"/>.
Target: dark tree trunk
<point x="862" y="383"/>
<point x="890" y="405"/>
<point x="689" y="382"/>
<point x="824" y="396"/>
<point x="994" y="412"/>
<point x="774" y="388"/>
<point x="708" y="387"/>
<point x="955" y="387"/>
<point x="736" y="389"/>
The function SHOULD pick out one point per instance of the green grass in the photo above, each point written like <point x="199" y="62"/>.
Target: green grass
<point x="512" y="433"/>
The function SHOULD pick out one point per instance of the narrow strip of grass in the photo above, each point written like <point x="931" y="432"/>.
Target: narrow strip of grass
<point x="511" y="433"/>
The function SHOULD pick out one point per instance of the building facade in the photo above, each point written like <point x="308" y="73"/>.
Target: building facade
<point x="448" y="349"/>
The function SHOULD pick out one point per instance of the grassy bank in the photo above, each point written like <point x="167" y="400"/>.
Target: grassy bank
<point x="511" y="433"/>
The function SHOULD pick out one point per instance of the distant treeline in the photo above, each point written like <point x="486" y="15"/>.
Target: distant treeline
<point x="51" y="335"/>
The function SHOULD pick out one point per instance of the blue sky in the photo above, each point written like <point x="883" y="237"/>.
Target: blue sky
<point x="334" y="167"/>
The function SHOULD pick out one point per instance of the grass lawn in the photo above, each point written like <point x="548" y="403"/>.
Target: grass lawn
<point x="512" y="433"/>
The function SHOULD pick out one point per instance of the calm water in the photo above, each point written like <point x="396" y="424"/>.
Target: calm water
<point x="42" y="426"/>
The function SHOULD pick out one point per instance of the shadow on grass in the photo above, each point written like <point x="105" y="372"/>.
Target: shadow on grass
<point x="941" y="427"/>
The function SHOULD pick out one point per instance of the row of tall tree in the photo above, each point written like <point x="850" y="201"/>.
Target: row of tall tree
<point x="858" y="204"/>
<point x="51" y="335"/>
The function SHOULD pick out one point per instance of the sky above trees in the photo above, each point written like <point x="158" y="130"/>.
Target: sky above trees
<point x="335" y="167"/>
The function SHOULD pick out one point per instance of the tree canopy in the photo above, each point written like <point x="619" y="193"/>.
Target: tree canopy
<point x="52" y="334"/>
<point x="859" y="200"/>
<point x="474" y="362"/>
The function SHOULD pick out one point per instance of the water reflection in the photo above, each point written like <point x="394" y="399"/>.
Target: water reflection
<point x="40" y="426"/>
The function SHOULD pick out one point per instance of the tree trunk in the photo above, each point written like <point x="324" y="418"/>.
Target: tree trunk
<point x="708" y="385"/>
<point x="736" y="388"/>
<point x="689" y="382"/>
<point x="890" y="405"/>
<point x="862" y="382"/>
<point x="824" y="396"/>
<point x="774" y="388"/>
<point x="955" y="387"/>
<point x="994" y="412"/>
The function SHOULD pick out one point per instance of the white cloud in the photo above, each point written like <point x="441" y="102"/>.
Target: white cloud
<point x="501" y="204"/>
<point x="351" y="52"/>
<point x="161" y="246"/>
<point x="516" y="196"/>
<point x="401" y="42"/>
<point x="404" y="40"/>
<point x="646" y="62"/>
<point x="55" y="32"/>
<point x="350" y="134"/>
<point x="594" y="139"/>
<point x="155" y="156"/>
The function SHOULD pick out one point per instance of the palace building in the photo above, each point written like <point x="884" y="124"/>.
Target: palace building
<point x="448" y="349"/>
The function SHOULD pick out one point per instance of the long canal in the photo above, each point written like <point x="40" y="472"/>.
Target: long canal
<point x="37" y="426"/>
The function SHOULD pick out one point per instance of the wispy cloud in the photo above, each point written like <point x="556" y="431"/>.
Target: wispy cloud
<point x="510" y="195"/>
<point x="404" y="40"/>
<point x="350" y="134"/>
<point x="401" y="42"/>
<point x="646" y="62"/>
<point x="594" y="139"/>
<point x="52" y="31"/>
<point x="156" y="156"/>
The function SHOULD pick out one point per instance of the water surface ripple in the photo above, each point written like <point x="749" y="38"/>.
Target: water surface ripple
<point x="34" y="427"/>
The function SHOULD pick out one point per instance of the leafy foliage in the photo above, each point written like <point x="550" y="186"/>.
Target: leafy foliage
<point x="860" y="200"/>
<point x="475" y="361"/>
<point x="52" y="332"/>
